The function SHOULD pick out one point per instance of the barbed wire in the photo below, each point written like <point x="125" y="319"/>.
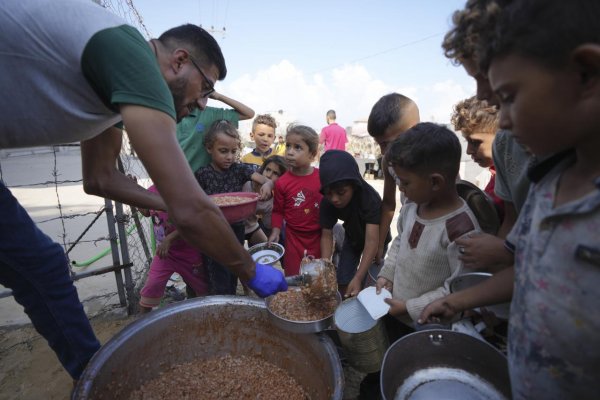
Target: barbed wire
<point x="138" y="234"/>
<point x="127" y="10"/>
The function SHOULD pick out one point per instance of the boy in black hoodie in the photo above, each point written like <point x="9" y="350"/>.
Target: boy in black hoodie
<point x="348" y="197"/>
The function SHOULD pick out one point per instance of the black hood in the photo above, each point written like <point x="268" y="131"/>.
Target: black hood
<point x="338" y="165"/>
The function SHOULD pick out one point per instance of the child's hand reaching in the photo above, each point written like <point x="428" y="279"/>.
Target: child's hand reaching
<point x="266" y="191"/>
<point x="162" y="250"/>
<point x="354" y="287"/>
<point x="274" y="236"/>
<point x="397" y="307"/>
<point x="383" y="283"/>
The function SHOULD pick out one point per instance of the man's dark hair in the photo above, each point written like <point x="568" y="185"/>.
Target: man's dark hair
<point x="202" y="46"/>
<point x="545" y="30"/>
<point x="427" y="148"/>
<point x="387" y="112"/>
<point x="331" y="114"/>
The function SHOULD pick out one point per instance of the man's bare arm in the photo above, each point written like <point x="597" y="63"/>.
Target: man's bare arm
<point x="102" y="178"/>
<point x="242" y="109"/>
<point x="197" y="218"/>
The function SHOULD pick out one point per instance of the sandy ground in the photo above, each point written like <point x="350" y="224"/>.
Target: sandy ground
<point x="28" y="368"/>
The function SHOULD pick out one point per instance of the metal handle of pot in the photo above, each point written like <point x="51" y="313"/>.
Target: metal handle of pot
<point x="298" y="280"/>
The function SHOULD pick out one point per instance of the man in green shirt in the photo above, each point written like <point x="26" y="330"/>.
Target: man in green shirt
<point x="71" y="71"/>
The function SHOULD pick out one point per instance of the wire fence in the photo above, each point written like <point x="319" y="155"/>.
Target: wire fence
<point x="90" y="232"/>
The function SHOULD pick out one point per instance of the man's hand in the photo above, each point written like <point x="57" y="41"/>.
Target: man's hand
<point x="484" y="252"/>
<point x="267" y="281"/>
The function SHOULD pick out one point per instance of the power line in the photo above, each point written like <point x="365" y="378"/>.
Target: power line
<point x="380" y="53"/>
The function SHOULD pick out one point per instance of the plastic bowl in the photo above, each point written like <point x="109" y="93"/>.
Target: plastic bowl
<point x="266" y="253"/>
<point x="240" y="211"/>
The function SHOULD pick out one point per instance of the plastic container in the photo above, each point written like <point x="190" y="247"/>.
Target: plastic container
<point x="240" y="211"/>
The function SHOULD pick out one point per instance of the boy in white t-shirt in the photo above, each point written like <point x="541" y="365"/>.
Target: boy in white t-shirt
<point x="423" y="257"/>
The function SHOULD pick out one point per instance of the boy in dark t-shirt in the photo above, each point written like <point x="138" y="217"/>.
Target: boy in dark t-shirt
<point x="348" y="197"/>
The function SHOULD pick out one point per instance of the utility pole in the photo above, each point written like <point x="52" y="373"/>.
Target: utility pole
<point x="212" y="30"/>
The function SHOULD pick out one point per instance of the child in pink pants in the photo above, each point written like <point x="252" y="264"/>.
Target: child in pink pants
<point x="173" y="254"/>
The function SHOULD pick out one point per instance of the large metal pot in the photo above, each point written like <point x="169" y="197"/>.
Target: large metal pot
<point x="203" y="328"/>
<point x="438" y="364"/>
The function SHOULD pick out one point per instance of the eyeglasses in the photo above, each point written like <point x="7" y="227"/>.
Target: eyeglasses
<point x="211" y="86"/>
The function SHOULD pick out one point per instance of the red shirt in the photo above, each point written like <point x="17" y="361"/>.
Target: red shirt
<point x="489" y="189"/>
<point x="334" y="137"/>
<point x="296" y="200"/>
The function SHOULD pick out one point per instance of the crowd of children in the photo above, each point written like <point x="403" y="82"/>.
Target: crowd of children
<point x="533" y="124"/>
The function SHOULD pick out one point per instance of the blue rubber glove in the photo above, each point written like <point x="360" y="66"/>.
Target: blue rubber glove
<point x="267" y="281"/>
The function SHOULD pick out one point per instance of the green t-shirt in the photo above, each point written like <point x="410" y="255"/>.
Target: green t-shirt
<point x="191" y="130"/>
<point x="122" y="69"/>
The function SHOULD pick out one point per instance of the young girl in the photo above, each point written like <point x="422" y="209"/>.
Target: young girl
<point x="225" y="175"/>
<point x="258" y="226"/>
<point x="297" y="198"/>
<point x="173" y="254"/>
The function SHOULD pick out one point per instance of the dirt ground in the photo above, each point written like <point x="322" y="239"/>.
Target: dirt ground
<point x="29" y="370"/>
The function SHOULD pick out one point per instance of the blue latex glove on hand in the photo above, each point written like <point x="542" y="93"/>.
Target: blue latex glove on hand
<point x="267" y="281"/>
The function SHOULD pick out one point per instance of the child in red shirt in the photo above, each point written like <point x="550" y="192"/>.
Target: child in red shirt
<point x="296" y="199"/>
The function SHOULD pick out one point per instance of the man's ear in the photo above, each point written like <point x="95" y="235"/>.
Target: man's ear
<point x="437" y="181"/>
<point x="178" y="58"/>
<point x="587" y="61"/>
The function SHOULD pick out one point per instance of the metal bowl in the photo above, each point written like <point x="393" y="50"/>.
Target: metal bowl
<point x="467" y="280"/>
<point x="266" y="253"/>
<point x="205" y="328"/>
<point x="440" y="364"/>
<point x="300" y="326"/>
<point x="240" y="211"/>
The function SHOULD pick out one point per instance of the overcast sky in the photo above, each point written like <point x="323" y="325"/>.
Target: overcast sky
<point x="305" y="57"/>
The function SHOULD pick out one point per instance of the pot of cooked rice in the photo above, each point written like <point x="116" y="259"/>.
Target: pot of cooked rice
<point x="217" y="347"/>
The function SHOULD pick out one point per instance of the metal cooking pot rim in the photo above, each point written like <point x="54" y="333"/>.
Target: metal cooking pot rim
<point x="435" y="335"/>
